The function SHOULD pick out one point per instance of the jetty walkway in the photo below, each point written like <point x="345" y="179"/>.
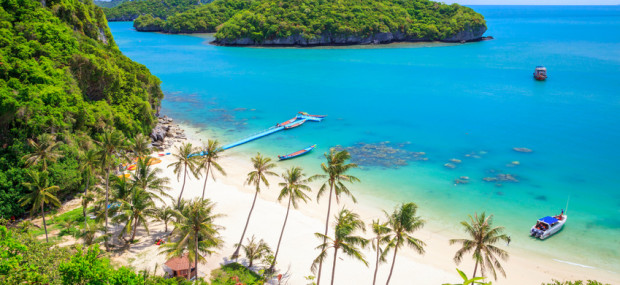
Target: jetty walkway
<point x="297" y="121"/>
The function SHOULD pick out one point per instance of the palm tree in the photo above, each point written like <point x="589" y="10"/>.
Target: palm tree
<point x="262" y="168"/>
<point x="139" y="145"/>
<point x="184" y="159"/>
<point x="211" y="153"/>
<point x="44" y="151"/>
<point x="347" y="223"/>
<point x="255" y="250"/>
<point x="147" y="177"/>
<point x="164" y="214"/>
<point x="403" y="222"/>
<point x="335" y="174"/>
<point x="109" y="142"/>
<point x="483" y="237"/>
<point x="88" y="162"/>
<point x="195" y="232"/>
<point x="135" y="210"/>
<point x="293" y="187"/>
<point x="381" y="231"/>
<point x="42" y="193"/>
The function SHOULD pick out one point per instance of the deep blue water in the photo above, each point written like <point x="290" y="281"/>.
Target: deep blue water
<point x="446" y="100"/>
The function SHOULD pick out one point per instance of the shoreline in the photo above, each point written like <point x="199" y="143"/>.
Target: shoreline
<point x="435" y="267"/>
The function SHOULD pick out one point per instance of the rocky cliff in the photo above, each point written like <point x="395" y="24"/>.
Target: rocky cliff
<point x="466" y="35"/>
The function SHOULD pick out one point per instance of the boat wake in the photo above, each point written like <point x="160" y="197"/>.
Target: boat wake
<point x="576" y="264"/>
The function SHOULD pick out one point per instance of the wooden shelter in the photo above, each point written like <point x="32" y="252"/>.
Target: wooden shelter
<point x="180" y="267"/>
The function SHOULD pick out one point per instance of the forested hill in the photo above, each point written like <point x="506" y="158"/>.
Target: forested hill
<point x="203" y="19"/>
<point x="61" y="73"/>
<point x="130" y="10"/>
<point x="109" y="4"/>
<point x="322" y="22"/>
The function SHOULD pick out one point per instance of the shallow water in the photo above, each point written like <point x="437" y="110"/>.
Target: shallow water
<point x="445" y="100"/>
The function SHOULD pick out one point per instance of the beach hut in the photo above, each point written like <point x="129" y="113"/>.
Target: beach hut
<point x="179" y="267"/>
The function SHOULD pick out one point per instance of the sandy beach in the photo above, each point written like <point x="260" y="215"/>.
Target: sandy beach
<point x="233" y="199"/>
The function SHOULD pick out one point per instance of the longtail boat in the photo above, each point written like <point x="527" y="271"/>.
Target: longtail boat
<point x="316" y="116"/>
<point x="287" y="122"/>
<point x="290" y="126"/>
<point x="297" y="153"/>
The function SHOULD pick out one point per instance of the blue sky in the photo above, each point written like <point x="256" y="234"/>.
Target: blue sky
<point x="534" y="2"/>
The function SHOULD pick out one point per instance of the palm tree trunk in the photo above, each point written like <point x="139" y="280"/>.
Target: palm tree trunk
<point x="475" y="269"/>
<point x="84" y="204"/>
<point x="236" y="253"/>
<point x="195" y="258"/>
<point x="182" y="187"/>
<point x="329" y="207"/>
<point x="135" y="227"/>
<point x="44" y="224"/>
<point x="107" y="184"/>
<point x="334" y="267"/>
<point x="206" y="178"/>
<point x="392" y="268"/>
<point x="281" y="234"/>
<point x="374" y="279"/>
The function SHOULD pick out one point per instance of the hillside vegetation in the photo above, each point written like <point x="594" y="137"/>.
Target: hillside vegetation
<point x="62" y="73"/>
<point x="307" y="22"/>
<point x="203" y="19"/>
<point x="130" y="10"/>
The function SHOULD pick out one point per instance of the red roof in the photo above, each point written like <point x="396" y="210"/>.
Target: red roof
<point x="179" y="263"/>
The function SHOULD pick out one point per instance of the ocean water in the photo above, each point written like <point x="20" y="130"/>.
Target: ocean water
<point x="472" y="102"/>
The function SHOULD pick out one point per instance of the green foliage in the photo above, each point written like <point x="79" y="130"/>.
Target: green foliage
<point x="415" y="19"/>
<point x="203" y="19"/>
<point x="130" y="10"/>
<point x="578" y="282"/>
<point x="62" y="73"/>
<point x="88" y="268"/>
<point x="472" y="281"/>
<point x="109" y="4"/>
<point x="225" y="275"/>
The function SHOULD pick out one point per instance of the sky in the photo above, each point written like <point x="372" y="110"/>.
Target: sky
<point x="534" y="2"/>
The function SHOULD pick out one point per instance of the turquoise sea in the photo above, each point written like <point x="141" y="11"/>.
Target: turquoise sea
<point x="472" y="102"/>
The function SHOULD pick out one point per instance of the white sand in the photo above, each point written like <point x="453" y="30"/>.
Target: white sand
<point x="298" y="245"/>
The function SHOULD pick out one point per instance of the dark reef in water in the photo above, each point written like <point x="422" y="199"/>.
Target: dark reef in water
<point x="382" y="154"/>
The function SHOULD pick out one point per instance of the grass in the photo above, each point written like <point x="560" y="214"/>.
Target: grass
<point x="225" y="274"/>
<point x="67" y="223"/>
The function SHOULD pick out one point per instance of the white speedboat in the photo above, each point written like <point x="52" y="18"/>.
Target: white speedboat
<point x="547" y="226"/>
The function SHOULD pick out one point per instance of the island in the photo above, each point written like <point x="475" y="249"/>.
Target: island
<point x="313" y="23"/>
<point x="349" y="22"/>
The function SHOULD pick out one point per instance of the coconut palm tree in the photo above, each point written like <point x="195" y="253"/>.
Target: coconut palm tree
<point x="255" y="250"/>
<point x="195" y="232"/>
<point x="165" y="214"/>
<point x="88" y="162"/>
<point x="211" y="154"/>
<point x="110" y="142"/>
<point x="44" y="150"/>
<point x="184" y="160"/>
<point x="262" y="169"/>
<point x="139" y="145"/>
<point x="403" y="222"/>
<point x="148" y="178"/>
<point x="347" y="223"/>
<point x="381" y="231"/>
<point x="483" y="237"/>
<point x="293" y="187"/>
<point x="41" y="193"/>
<point x="135" y="210"/>
<point x="335" y="177"/>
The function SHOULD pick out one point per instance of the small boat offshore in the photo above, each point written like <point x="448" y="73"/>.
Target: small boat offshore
<point x="297" y="153"/>
<point x="316" y="116"/>
<point x="540" y="73"/>
<point x="547" y="226"/>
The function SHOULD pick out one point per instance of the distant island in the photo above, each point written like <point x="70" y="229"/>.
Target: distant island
<point x="311" y="23"/>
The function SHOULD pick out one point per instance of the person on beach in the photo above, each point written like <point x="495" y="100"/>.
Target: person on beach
<point x="508" y="241"/>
